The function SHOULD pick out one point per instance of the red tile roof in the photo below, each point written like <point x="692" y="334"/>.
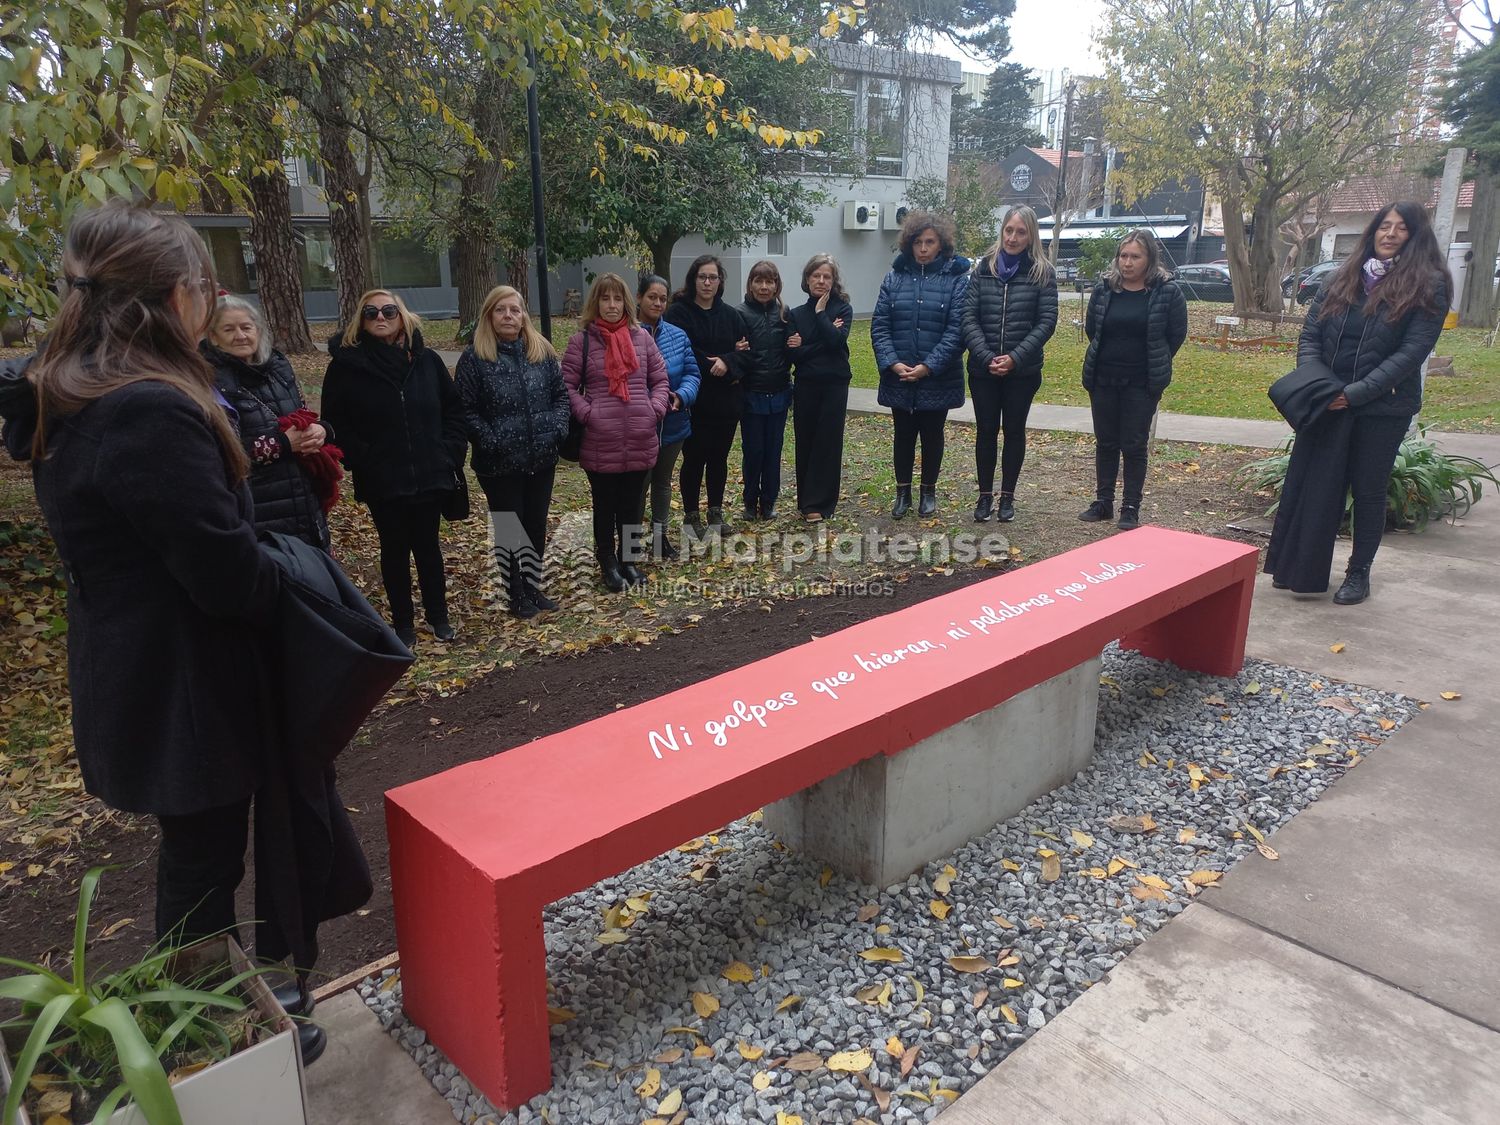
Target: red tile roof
<point x="1369" y="193"/>
<point x="1053" y="156"/>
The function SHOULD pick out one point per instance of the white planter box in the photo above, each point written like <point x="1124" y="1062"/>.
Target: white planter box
<point x="258" y="1086"/>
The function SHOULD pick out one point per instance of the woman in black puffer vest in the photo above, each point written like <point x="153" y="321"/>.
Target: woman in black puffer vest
<point x="1010" y="311"/>
<point x="1136" y="321"/>
<point x="1374" y="323"/>
<point x="819" y="346"/>
<point x="917" y="334"/>
<point x="261" y="387"/>
<point x="401" y="427"/>
<point x="768" y="389"/>
<point x="516" y="410"/>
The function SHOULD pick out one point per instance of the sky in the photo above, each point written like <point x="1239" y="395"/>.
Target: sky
<point x="1044" y="39"/>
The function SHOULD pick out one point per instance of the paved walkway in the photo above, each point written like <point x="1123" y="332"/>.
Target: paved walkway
<point x="1352" y="982"/>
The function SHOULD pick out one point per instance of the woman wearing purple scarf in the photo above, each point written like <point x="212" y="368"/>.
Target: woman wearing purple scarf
<point x="1374" y="323"/>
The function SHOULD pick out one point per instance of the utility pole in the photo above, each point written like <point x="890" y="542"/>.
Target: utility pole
<point x="1060" y="195"/>
<point x="538" y="212"/>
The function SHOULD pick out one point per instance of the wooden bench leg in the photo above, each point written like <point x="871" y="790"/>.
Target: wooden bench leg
<point x="473" y="965"/>
<point x="1205" y="636"/>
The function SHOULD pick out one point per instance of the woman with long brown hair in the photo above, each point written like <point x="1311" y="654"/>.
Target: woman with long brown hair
<point x="1373" y="324"/>
<point x="818" y="344"/>
<point x="401" y="426"/>
<point x="142" y="480"/>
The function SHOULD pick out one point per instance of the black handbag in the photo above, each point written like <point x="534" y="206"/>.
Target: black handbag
<point x="455" y="505"/>
<point x="572" y="446"/>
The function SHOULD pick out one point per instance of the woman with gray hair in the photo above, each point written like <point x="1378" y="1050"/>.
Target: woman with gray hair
<point x="261" y="388"/>
<point x="1137" y="320"/>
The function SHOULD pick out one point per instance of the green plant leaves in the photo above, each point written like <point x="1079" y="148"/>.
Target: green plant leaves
<point x="138" y="1062"/>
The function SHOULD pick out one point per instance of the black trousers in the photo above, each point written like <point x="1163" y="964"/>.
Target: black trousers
<point x="1001" y="405"/>
<point x="409" y="529"/>
<point x="529" y="497"/>
<point x="617" y="514"/>
<point x="818" y="413"/>
<point x="910" y="425"/>
<point x="1373" y="446"/>
<point x="659" y="482"/>
<point x="199" y="865"/>
<point x="1122" y="431"/>
<point x="706" y="453"/>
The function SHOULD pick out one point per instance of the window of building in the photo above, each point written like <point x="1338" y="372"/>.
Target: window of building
<point x="776" y="244"/>
<point x="231" y="256"/>
<point x="404" y="263"/>
<point x="315" y="254"/>
<point x="1344" y="245"/>
<point x="868" y="121"/>
<point x="884" y="127"/>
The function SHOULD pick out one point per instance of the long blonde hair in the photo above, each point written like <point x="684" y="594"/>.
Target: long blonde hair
<point x="1041" y="269"/>
<point x="410" y="321"/>
<point x="117" y="326"/>
<point x="485" y="342"/>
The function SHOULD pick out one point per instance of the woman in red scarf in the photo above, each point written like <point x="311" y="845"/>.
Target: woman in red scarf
<point x="617" y="384"/>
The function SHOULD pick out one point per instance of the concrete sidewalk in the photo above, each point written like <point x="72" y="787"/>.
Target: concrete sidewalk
<point x="1353" y="980"/>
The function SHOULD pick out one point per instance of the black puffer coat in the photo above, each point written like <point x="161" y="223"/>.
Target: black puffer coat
<point x="1166" y="329"/>
<point x="1013" y="318"/>
<point x="767" y="368"/>
<point x="515" y="411"/>
<point x="398" y="416"/>
<point x="1386" y="378"/>
<point x="713" y="332"/>
<point x="262" y="393"/>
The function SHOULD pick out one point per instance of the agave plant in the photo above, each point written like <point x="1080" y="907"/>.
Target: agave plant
<point x="1426" y="483"/>
<point x="111" y="1036"/>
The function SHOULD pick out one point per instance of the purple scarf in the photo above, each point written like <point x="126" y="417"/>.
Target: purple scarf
<point x="1006" y="266"/>
<point x="1375" y="269"/>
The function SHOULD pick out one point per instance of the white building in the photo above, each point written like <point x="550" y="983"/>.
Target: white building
<point x="1356" y="200"/>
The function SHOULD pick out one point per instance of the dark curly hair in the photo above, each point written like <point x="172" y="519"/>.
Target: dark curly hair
<point x="918" y="221"/>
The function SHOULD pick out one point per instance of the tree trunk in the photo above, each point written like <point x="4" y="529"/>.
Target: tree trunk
<point x="1265" y="251"/>
<point x="661" y="244"/>
<point x="276" y="261"/>
<point x="346" y="225"/>
<point x="518" y="270"/>
<point x="474" y="272"/>
<point x="1477" y="309"/>
<point x="1237" y="251"/>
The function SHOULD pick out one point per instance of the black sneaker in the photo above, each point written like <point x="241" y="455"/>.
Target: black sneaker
<point x="406" y="634"/>
<point x="1098" y="512"/>
<point x="539" y="599"/>
<point x="1006" y="510"/>
<point x="444" y="632"/>
<point x="1130" y="517"/>
<point x="985" y="508"/>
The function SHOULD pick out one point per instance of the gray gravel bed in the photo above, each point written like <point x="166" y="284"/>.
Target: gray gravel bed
<point x="1262" y="746"/>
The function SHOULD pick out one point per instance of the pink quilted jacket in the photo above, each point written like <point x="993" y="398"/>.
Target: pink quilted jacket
<point x="618" y="436"/>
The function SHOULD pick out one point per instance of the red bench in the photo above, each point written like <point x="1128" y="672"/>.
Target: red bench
<point x="477" y="851"/>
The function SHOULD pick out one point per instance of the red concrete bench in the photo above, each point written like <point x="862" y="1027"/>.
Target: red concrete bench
<point x="477" y="851"/>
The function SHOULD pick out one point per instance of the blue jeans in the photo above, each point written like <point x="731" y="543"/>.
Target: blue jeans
<point x="762" y="436"/>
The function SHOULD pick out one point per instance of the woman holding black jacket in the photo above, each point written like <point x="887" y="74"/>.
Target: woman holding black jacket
<point x="1136" y="322"/>
<point x="1373" y="324"/>
<point x="717" y="333"/>
<point x="401" y="426"/>
<point x="819" y="346"/>
<point x="261" y="387"/>
<point x="1010" y="312"/>
<point x="515" y="409"/>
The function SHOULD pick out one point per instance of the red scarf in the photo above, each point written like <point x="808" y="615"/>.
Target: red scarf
<point x="620" y="357"/>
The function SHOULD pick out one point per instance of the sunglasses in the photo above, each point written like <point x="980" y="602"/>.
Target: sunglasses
<point x="388" y="312"/>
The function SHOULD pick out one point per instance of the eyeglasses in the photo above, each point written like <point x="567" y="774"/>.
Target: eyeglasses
<point x="387" y="312"/>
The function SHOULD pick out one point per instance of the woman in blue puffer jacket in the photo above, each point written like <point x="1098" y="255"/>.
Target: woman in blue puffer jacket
<point x="918" y="342"/>
<point x="682" y="378"/>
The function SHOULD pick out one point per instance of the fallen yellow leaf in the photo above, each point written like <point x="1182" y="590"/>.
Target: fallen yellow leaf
<point x="868" y="911"/>
<point x="1266" y="850"/>
<point x="650" y="1084"/>
<point x="704" y="1004"/>
<point x="823" y="879"/>
<point x="883" y="953"/>
<point x="691" y="846"/>
<point x="1082" y="839"/>
<point x="1185" y="835"/>
<point x="805" y="1061"/>
<point x="939" y="908"/>
<point x="670" y="1055"/>
<point x="788" y="1001"/>
<point x="1003" y="923"/>
<point x="1116" y="865"/>
<point x="556" y="1016"/>
<point x="1148" y="894"/>
<point x="969" y="964"/>
<point x="1386" y="724"/>
<point x="1010" y="865"/>
<point x="1154" y="881"/>
<point x="703" y="1051"/>
<point x="787" y="1118"/>
<point x="762" y="1080"/>
<point x="739" y="972"/>
<point x="850" y="1062"/>
<point x="1051" y="866"/>
<point x="671" y="1103"/>
<point x="894" y="1047"/>
<point x="1451" y="695"/>
<point x="980" y="997"/>
<point x="1336" y="648"/>
<point x="883" y="928"/>
<point x="750" y="1053"/>
<point x="1007" y="962"/>
<point x="1205" y="878"/>
<point x="611" y="937"/>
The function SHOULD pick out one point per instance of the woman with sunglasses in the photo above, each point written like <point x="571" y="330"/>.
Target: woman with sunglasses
<point x="400" y="423"/>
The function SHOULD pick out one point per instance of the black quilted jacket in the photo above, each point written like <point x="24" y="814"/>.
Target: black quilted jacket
<point x="1166" y="329"/>
<point x="1013" y="318"/>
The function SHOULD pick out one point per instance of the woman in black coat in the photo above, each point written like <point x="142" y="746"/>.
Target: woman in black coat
<point x="401" y="426"/>
<point x="262" y="389"/>
<point x="768" y="390"/>
<point x="171" y="601"/>
<point x="717" y="334"/>
<point x="819" y="346"/>
<point x="1136" y="322"/>
<point x="1373" y="325"/>
<point x="1010" y="312"/>
<point x="916" y="331"/>
<point x="515" y="408"/>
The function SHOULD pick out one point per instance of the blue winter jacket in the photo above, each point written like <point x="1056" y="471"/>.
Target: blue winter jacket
<point x="682" y="376"/>
<point x="918" y="319"/>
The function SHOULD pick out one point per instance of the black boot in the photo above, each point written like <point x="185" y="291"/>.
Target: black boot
<point x="1356" y="587"/>
<point x="543" y="603"/>
<point x="927" y="502"/>
<point x="632" y="574"/>
<point x="406" y="633"/>
<point x="312" y="1041"/>
<point x="1098" y="512"/>
<point x="1007" y="510"/>
<point x="662" y="548"/>
<point x="442" y="629"/>
<point x="985" y="508"/>
<point x="609" y="571"/>
<point x="692" y="526"/>
<point x="717" y="522"/>
<point x="903" y="502"/>
<point x="521" y="605"/>
<point x="1130" y="516"/>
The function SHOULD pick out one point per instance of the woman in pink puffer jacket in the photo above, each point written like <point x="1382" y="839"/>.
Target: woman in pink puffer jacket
<point x="617" y="384"/>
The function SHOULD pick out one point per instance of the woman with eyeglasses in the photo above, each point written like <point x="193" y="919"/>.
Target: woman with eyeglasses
<point x="720" y="348"/>
<point x="400" y="422"/>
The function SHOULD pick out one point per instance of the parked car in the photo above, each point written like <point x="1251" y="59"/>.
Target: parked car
<point x="1312" y="280"/>
<point x="1206" y="282"/>
<point x="1067" y="269"/>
